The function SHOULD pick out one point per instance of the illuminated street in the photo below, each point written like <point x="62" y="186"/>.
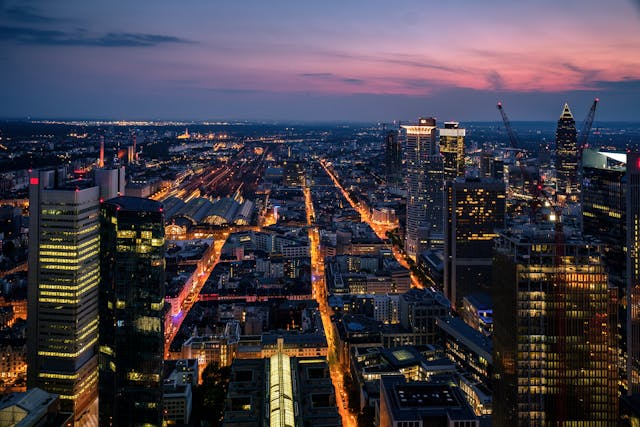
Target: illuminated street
<point x="320" y="293"/>
<point x="199" y="279"/>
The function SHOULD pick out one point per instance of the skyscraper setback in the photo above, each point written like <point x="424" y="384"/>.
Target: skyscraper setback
<point x="566" y="152"/>
<point x="132" y="294"/>
<point x="64" y="273"/>
<point x="424" y="186"/>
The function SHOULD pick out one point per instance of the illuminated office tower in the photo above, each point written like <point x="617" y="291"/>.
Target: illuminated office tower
<point x="475" y="212"/>
<point x="452" y="150"/>
<point x="424" y="186"/>
<point x="64" y="273"/>
<point x="633" y="271"/>
<point x="554" y="331"/>
<point x="132" y="294"/>
<point x="393" y="157"/>
<point x="566" y="152"/>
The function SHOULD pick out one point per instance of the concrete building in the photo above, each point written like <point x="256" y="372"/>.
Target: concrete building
<point x="424" y="186"/>
<point x="64" y="273"/>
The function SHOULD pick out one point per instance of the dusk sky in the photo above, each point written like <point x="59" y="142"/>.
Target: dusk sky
<point x="319" y="60"/>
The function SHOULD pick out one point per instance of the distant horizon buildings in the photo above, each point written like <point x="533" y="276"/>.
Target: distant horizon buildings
<point x="424" y="186"/>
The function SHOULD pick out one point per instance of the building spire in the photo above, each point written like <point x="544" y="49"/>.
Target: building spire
<point x="566" y="112"/>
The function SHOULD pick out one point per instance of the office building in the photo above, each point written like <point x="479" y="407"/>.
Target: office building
<point x="132" y="293"/>
<point x="393" y="157"/>
<point x="424" y="186"/>
<point x="293" y="174"/>
<point x="566" y="153"/>
<point x="475" y="211"/>
<point x="633" y="271"/>
<point x="554" y="337"/>
<point x="452" y="150"/>
<point x="64" y="273"/>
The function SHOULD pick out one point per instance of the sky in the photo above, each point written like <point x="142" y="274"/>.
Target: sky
<point x="330" y="60"/>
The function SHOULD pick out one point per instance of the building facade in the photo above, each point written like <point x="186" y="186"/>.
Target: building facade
<point x="64" y="273"/>
<point x="132" y="294"/>
<point x="424" y="186"/>
<point x="452" y="150"/>
<point x="475" y="211"/>
<point x="566" y="153"/>
<point x="553" y="343"/>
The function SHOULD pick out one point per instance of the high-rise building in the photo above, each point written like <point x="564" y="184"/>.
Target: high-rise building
<point x="566" y="152"/>
<point x="424" y="186"/>
<point x="393" y="157"/>
<point x="475" y="211"/>
<point x="64" y="273"/>
<point x="452" y="150"/>
<point x="554" y="335"/>
<point x="607" y="179"/>
<point x="132" y="292"/>
<point x="633" y="271"/>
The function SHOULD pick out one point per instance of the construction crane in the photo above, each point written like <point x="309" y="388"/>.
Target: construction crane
<point x="507" y="124"/>
<point x="586" y="129"/>
<point x="535" y="187"/>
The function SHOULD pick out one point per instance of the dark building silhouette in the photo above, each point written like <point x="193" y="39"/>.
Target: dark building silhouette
<point x="393" y="157"/>
<point x="132" y="293"/>
<point x="566" y="152"/>
<point x="554" y="335"/>
<point x="475" y="211"/>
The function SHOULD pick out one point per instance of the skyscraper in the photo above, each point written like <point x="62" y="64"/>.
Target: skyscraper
<point x="132" y="294"/>
<point x="424" y="186"/>
<point x="64" y="272"/>
<point x="452" y="150"/>
<point x="566" y="152"/>
<point x="633" y="271"/>
<point x="554" y="334"/>
<point x="393" y="157"/>
<point x="475" y="211"/>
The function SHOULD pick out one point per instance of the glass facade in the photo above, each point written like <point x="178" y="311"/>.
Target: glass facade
<point x="554" y="344"/>
<point x="452" y="150"/>
<point x="132" y="295"/>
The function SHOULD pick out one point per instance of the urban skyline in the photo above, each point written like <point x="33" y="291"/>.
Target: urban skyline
<point x="233" y="214"/>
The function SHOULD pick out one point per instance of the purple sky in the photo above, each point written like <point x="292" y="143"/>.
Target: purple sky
<point x="323" y="60"/>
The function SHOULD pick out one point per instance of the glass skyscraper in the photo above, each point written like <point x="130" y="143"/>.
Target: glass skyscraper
<point x="452" y="150"/>
<point x="554" y="331"/>
<point x="132" y="294"/>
